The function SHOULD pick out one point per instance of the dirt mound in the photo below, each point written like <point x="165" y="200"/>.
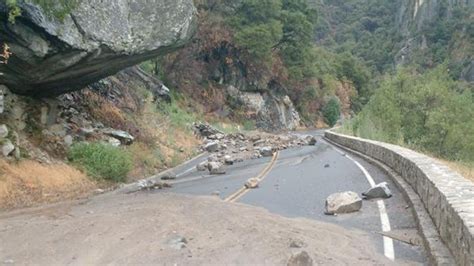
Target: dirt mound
<point x="168" y="229"/>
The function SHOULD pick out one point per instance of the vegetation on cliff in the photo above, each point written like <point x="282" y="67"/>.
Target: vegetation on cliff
<point x="431" y="112"/>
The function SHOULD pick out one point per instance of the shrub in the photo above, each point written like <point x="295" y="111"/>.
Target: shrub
<point x="101" y="160"/>
<point x="332" y="112"/>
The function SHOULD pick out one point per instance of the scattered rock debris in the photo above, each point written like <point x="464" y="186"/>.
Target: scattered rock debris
<point x="229" y="149"/>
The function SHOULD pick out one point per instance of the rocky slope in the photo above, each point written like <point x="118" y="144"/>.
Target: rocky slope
<point x="97" y="39"/>
<point x="221" y="77"/>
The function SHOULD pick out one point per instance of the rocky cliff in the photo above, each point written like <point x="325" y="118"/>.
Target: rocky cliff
<point x="438" y="30"/>
<point x="98" y="38"/>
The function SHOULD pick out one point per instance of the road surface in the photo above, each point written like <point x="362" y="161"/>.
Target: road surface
<point x="300" y="181"/>
<point x="185" y="225"/>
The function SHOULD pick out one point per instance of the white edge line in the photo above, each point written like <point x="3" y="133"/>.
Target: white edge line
<point x="389" y="250"/>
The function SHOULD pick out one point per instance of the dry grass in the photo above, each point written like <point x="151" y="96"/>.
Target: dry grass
<point x="29" y="183"/>
<point x="464" y="169"/>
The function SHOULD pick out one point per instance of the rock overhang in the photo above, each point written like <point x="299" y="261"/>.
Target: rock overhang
<point x="97" y="39"/>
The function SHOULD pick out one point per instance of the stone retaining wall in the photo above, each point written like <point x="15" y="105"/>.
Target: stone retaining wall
<point x="447" y="196"/>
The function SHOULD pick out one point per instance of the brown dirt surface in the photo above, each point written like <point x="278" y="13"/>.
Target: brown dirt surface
<point x="28" y="182"/>
<point x="137" y="229"/>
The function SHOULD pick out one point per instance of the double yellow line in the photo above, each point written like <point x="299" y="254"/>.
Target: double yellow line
<point x="242" y="191"/>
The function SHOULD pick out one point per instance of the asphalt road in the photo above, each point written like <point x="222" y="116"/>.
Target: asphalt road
<point x="300" y="181"/>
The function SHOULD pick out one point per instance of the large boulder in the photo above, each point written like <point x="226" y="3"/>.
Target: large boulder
<point x="379" y="191"/>
<point x="216" y="168"/>
<point x="344" y="202"/>
<point x="97" y="39"/>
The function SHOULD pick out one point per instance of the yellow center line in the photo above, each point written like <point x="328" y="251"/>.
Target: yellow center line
<point x="243" y="190"/>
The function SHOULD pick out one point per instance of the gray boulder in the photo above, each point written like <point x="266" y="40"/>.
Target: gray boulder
<point x="168" y="176"/>
<point x="266" y="151"/>
<point x="204" y="166"/>
<point x="124" y="137"/>
<point x="229" y="160"/>
<point x="344" y="202"/>
<point x="212" y="146"/>
<point x="311" y="140"/>
<point x="252" y="183"/>
<point x="114" y="142"/>
<point x="216" y="168"/>
<point x="379" y="191"/>
<point x="3" y="131"/>
<point x="7" y="148"/>
<point x="97" y="39"/>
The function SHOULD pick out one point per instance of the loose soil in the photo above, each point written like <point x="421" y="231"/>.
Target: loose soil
<point x="137" y="229"/>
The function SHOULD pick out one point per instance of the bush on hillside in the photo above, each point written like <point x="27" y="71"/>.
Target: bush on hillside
<point x="332" y="112"/>
<point x="101" y="160"/>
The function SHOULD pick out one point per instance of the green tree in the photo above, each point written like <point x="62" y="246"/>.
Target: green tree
<point x="332" y="111"/>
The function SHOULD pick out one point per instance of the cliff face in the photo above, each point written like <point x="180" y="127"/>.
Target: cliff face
<point x="97" y="39"/>
<point x="437" y="28"/>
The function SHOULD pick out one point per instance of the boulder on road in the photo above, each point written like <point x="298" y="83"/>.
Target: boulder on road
<point x="379" y="191"/>
<point x="229" y="160"/>
<point x="311" y="140"/>
<point x="204" y="166"/>
<point x="252" y="183"/>
<point x="301" y="258"/>
<point x="344" y="202"/>
<point x="212" y="146"/>
<point x="266" y="151"/>
<point x="216" y="168"/>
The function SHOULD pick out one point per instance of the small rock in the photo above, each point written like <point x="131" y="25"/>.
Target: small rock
<point x="86" y="131"/>
<point x="216" y="193"/>
<point x="301" y="258"/>
<point x="379" y="191"/>
<point x="124" y="137"/>
<point x="252" y="183"/>
<point x="7" y="148"/>
<point x="177" y="242"/>
<point x="168" y="176"/>
<point x="99" y="191"/>
<point x="311" y="140"/>
<point x="68" y="140"/>
<point x="216" y="168"/>
<point x="204" y="166"/>
<point x="344" y="202"/>
<point x="229" y="160"/>
<point x="17" y="153"/>
<point x="259" y="142"/>
<point x="212" y="146"/>
<point x="114" y="142"/>
<point x="3" y="131"/>
<point x="297" y="244"/>
<point x="266" y="151"/>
